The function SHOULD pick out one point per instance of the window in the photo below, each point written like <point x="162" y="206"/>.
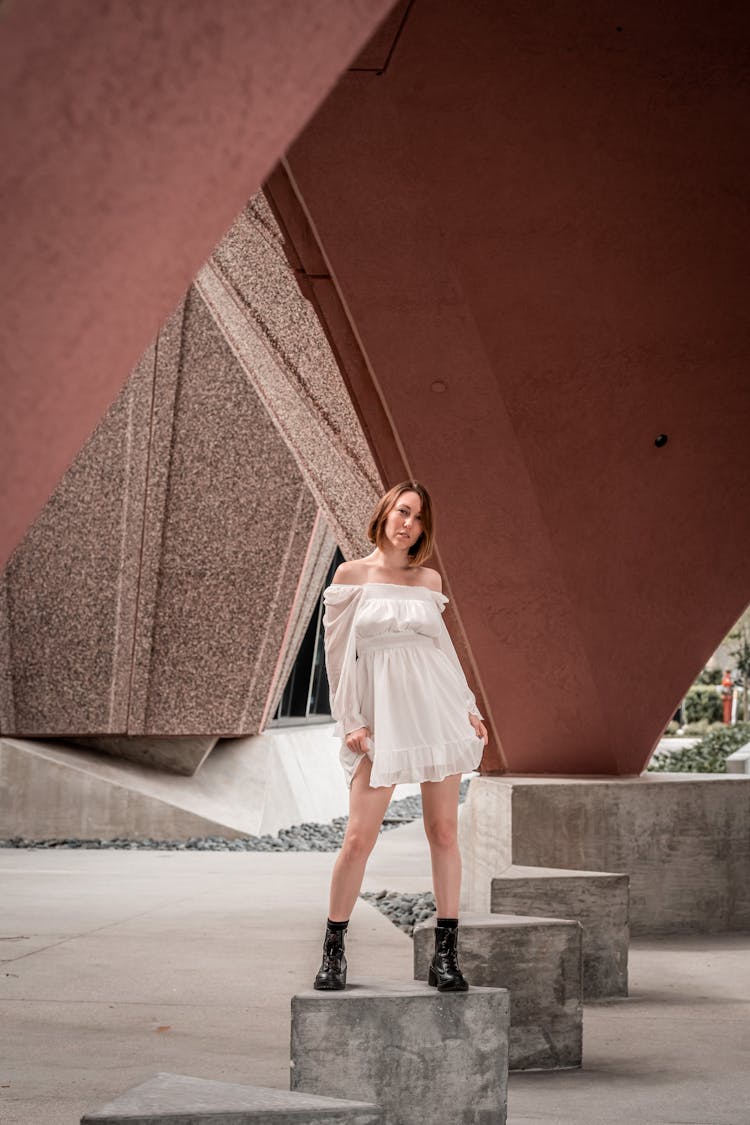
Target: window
<point x="306" y="693"/>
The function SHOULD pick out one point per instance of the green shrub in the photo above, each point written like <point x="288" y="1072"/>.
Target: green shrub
<point x="707" y="756"/>
<point x="703" y="702"/>
<point x="709" y="676"/>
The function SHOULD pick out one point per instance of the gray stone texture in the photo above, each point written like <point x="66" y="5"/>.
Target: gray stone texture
<point x="539" y="961"/>
<point x="683" y="839"/>
<point x="598" y="900"/>
<point x="423" y="1056"/>
<point x="177" y="1099"/>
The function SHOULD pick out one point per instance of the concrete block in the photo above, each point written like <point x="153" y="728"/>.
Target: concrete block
<point x="539" y="961"/>
<point x="415" y="1052"/>
<point x="172" y="753"/>
<point x="596" y="899"/>
<point x="739" y="761"/>
<point x="176" y="1099"/>
<point x="684" y="840"/>
<point x="246" y="787"/>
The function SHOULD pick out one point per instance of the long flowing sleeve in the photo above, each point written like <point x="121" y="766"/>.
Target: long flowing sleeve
<point x="445" y="644"/>
<point x="340" y="647"/>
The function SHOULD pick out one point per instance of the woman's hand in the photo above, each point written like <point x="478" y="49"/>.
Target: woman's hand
<point x="479" y="728"/>
<point x="355" y="740"/>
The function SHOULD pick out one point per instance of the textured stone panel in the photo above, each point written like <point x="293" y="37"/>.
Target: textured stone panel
<point x="165" y="589"/>
<point x="416" y="1052"/>
<point x="72" y="584"/>
<point x="598" y="900"/>
<point x="278" y="340"/>
<point x="225" y="549"/>
<point x="170" y="1099"/>
<point x="683" y="839"/>
<point x="539" y="961"/>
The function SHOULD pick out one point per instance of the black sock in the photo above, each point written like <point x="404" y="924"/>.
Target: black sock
<point x="337" y="925"/>
<point x="448" y="923"/>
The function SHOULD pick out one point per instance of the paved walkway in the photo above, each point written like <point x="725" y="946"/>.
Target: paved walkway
<point x="116" y="965"/>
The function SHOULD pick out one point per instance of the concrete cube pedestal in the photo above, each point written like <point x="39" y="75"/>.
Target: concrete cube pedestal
<point x="539" y="961"/>
<point x="684" y="840"/>
<point x="417" y="1053"/>
<point x="596" y="899"/>
<point x="170" y="1098"/>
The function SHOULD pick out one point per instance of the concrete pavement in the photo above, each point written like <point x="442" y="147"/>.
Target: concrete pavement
<point x="119" y="964"/>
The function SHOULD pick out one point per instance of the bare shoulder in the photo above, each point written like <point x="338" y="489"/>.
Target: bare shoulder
<point x="349" y="573"/>
<point x="431" y="579"/>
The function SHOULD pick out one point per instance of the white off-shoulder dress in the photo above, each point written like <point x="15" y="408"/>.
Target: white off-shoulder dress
<point x="392" y="667"/>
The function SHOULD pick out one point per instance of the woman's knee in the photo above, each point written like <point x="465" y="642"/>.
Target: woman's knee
<point x="356" y="846"/>
<point x="442" y="833"/>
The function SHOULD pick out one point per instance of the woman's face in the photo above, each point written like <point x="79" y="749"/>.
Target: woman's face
<point x="403" y="524"/>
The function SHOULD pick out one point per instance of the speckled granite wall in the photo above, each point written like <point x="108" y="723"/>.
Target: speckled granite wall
<point x="160" y="599"/>
<point x="153" y="595"/>
<point x="277" y="338"/>
<point x="72" y="584"/>
<point x="225" y="547"/>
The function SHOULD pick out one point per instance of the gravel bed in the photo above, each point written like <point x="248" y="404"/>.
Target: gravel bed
<point x="404" y="909"/>
<point x="310" y="837"/>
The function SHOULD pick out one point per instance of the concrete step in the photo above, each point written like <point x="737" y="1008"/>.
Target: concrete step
<point x="683" y="838"/>
<point x="177" y="1099"/>
<point x="539" y="961"/>
<point x="599" y="900"/>
<point x="416" y="1052"/>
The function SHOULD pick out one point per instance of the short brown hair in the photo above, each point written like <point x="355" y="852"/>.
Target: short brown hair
<point x="420" y="550"/>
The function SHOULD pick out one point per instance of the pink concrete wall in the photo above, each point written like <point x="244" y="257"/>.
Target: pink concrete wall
<point x="536" y="221"/>
<point x="132" y="134"/>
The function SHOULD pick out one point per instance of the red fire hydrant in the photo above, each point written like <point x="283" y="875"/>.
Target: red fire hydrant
<point x="727" y="687"/>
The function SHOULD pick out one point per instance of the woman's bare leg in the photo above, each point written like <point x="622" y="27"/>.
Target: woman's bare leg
<point x="440" y="814"/>
<point x="366" y="811"/>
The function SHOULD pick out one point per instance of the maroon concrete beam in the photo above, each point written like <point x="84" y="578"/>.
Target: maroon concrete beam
<point x="536" y="220"/>
<point x="132" y="134"/>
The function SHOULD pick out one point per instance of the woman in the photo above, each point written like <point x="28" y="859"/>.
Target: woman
<point x="404" y="712"/>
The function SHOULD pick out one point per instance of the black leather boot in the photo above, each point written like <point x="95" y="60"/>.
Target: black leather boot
<point x="332" y="972"/>
<point x="444" y="971"/>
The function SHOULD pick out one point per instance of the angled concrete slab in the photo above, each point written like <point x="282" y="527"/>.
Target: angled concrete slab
<point x="177" y="1099"/>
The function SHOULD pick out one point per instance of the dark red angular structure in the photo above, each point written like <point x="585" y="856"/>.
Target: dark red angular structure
<point x="534" y="221"/>
<point x="524" y="229"/>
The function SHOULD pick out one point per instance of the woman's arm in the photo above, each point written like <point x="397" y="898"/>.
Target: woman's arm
<point x="445" y="644"/>
<point x="340" y="603"/>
